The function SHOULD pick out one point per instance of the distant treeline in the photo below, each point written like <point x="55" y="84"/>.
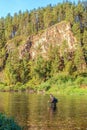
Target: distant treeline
<point x="30" y="22"/>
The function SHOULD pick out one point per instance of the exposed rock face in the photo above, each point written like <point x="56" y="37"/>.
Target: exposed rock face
<point x="54" y="35"/>
<point x="40" y="43"/>
<point x="26" y="48"/>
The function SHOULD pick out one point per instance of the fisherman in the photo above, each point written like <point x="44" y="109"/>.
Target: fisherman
<point x="53" y="102"/>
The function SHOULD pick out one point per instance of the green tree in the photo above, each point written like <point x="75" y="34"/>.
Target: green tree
<point x="40" y="68"/>
<point x="12" y="71"/>
<point x="8" y="27"/>
<point x="70" y="14"/>
<point x="54" y="59"/>
<point x="61" y="13"/>
<point x="76" y="31"/>
<point x="2" y="44"/>
<point x="85" y="44"/>
<point x="15" y="24"/>
<point x="48" y="16"/>
<point x="24" y="70"/>
<point x="34" y="21"/>
<point x="79" y="60"/>
<point x="40" y="19"/>
<point x="2" y="33"/>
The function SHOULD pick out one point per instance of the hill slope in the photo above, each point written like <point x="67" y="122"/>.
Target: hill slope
<point x="57" y="40"/>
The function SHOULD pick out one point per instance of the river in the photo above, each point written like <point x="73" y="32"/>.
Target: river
<point x="33" y="112"/>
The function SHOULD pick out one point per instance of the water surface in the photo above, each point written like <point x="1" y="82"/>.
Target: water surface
<point x="33" y="111"/>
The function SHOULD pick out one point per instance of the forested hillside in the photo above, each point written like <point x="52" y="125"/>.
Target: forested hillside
<point x="44" y="46"/>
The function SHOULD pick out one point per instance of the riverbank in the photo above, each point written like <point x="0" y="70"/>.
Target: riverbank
<point x="55" y="90"/>
<point x="58" y="84"/>
<point x="69" y="91"/>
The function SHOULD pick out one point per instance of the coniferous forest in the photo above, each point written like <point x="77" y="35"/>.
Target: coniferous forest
<point x="56" y="73"/>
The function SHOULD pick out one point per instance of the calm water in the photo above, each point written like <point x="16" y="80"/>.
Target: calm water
<point x="32" y="111"/>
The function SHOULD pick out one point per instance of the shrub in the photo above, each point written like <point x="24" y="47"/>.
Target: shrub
<point x="81" y="80"/>
<point x="8" y="123"/>
<point x="19" y="86"/>
<point x="2" y="86"/>
<point x="44" y="86"/>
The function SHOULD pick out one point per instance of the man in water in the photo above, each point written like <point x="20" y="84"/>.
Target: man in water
<point x="53" y="102"/>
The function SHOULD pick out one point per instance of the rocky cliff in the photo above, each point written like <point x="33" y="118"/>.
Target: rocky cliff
<point x="41" y="42"/>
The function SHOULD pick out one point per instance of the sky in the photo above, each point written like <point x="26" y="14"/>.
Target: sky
<point x="13" y="6"/>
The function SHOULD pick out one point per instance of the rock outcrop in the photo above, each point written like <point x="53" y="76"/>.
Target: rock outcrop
<point x="55" y="35"/>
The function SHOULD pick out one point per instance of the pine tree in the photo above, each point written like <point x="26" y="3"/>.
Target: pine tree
<point x="8" y="27"/>
<point x="85" y="44"/>
<point x="48" y="15"/>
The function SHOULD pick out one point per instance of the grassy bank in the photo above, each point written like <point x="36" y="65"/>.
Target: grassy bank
<point x="61" y="84"/>
<point x="69" y="90"/>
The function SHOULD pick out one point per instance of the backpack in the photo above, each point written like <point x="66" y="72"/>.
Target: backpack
<point x="55" y="100"/>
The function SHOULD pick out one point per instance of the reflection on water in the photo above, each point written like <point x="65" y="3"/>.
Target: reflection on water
<point x="33" y="112"/>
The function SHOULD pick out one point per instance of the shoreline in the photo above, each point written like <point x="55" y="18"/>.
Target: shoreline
<point x="65" y="91"/>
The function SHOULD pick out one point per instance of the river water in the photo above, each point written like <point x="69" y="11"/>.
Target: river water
<point x="32" y="111"/>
